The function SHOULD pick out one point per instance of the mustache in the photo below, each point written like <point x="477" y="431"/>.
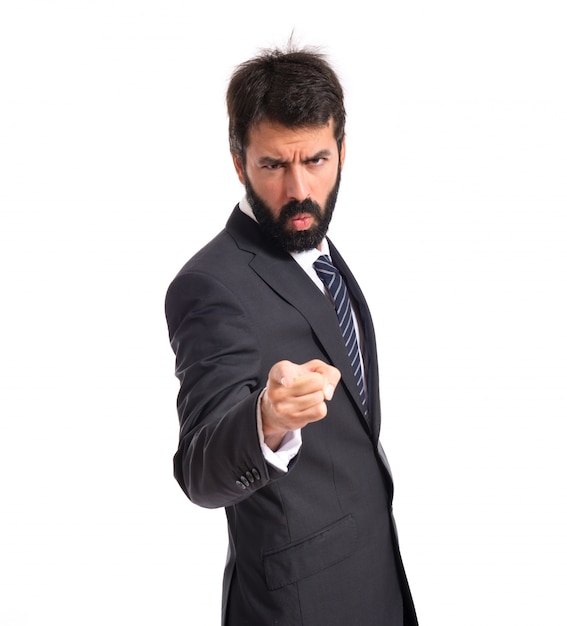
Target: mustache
<point x="296" y="207"/>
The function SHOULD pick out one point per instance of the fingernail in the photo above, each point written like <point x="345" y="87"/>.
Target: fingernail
<point x="329" y="391"/>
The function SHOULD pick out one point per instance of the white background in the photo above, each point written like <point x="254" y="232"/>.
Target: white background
<point x="114" y="169"/>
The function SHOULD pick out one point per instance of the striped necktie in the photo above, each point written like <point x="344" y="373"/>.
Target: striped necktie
<point x="335" y="284"/>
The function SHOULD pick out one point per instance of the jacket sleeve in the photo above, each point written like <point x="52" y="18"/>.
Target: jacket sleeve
<point x="219" y="461"/>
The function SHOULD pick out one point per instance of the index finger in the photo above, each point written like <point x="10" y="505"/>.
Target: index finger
<point x="285" y="372"/>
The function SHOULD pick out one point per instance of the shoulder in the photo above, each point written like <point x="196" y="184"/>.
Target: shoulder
<point x="212" y="256"/>
<point x="236" y="244"/>
<point x="212" y="269"/>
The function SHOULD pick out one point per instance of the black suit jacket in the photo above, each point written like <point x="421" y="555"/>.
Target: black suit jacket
<point x="316" y="545"/>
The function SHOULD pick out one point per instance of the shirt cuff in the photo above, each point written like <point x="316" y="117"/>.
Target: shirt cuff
<point x="288" y="449"/>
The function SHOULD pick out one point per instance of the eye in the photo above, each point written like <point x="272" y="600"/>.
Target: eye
<point x="319" y="158"/>
<point x="316" y="161"/>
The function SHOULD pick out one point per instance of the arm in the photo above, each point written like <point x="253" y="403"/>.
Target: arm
<point x="219" y="368"/>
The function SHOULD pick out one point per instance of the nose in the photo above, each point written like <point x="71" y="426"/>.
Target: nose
<point x="297" y="187"/>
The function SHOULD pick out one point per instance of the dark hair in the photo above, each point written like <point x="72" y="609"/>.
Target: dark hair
<point x="295" y="88"/>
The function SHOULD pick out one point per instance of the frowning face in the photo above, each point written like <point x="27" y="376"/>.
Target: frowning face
<point x="292" y="180"/>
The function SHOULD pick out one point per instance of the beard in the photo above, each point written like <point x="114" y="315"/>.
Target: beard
<point x="277" y="227"/>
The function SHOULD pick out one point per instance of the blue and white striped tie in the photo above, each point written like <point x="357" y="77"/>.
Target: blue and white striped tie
<point x="335" y="284"/>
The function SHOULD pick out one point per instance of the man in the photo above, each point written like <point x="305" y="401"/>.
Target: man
<point x="278" y="402"/>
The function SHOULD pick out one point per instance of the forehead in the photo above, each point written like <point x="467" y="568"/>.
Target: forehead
<point x="271" y="139"/>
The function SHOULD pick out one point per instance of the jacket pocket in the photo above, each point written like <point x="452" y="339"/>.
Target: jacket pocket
<point x="289" y="564"/>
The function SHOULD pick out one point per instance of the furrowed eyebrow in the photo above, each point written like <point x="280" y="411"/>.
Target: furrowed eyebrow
<point x="322" y="154"/>
<point x="270" y="161"/>
<point x="266" y="160"/>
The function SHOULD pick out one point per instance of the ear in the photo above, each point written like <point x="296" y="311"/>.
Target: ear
<point x="239" y="167"/>
<point x="342" y="152"/>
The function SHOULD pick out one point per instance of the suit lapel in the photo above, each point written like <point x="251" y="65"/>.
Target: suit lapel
<point x="278" y="269"/>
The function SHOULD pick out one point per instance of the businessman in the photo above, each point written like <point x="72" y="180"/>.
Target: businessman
<point x="275" y="353"/>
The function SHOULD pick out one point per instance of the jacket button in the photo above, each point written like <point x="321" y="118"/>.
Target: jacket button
<point x="255" y="473"/>
<point x="250" y="477"/>
<point x="241" y="485"/>
<point x="244" y="481"/>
